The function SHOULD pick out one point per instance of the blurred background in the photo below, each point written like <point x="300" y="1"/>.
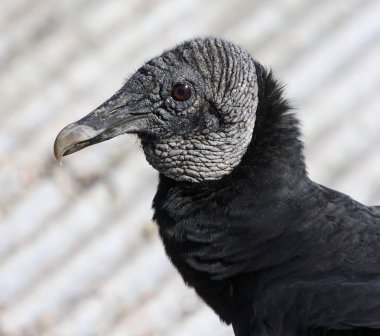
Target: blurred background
<point x="79" y="254"/>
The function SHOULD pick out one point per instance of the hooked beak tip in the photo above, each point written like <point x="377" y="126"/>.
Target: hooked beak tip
<point x="70" y="136"/>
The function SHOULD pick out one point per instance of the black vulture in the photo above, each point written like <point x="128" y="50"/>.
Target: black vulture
<point x="272" y="252"/>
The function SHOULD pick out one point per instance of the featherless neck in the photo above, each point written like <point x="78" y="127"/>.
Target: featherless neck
<point x="275" y="152"/>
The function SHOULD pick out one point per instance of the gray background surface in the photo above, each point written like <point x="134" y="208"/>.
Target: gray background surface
<point x="78" y="252"/>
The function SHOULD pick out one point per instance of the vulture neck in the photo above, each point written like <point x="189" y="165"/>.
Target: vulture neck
<point x="275" y="153"/>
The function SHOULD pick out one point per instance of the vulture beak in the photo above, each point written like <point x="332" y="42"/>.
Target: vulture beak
<point x="112" y="118"/>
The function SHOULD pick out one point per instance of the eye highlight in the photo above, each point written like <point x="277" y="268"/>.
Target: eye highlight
<point x="181" y="92"/>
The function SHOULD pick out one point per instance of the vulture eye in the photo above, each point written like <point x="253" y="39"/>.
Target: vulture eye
<point x="181" y="92"/>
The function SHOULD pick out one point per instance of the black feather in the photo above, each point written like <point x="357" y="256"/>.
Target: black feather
<point x="269" y="250"/>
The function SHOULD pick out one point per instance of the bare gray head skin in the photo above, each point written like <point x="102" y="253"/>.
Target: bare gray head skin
<point x="193" y="108"/>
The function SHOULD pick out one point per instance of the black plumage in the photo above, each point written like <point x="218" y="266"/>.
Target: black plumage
<point x="272" y="252"/>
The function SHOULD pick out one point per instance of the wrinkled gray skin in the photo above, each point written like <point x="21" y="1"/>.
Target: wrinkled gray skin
<point x="223" y="82"/>
<point x="196" y="140"/>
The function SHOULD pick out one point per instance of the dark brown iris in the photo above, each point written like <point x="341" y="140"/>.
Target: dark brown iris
<point x="181" y="92"/>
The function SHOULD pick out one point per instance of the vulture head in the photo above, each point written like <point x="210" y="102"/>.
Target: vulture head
<point x="193" y="107"/>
